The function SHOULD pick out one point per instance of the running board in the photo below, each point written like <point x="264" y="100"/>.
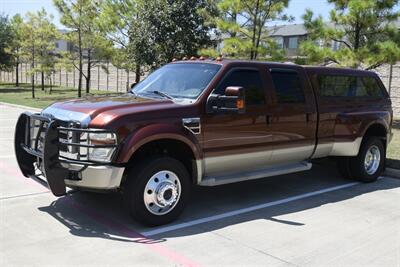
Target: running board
<point x="257" y="174"/>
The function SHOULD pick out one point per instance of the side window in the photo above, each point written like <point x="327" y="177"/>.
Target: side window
<point x="250" y="80"/>
<point x="348" y="86"/>
<point x="288" y="86"/>
<point x="371" y="87"/>
<point x="334" y="85"/>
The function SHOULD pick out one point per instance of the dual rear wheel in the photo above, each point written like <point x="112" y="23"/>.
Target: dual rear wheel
<point x="368" y="165"/>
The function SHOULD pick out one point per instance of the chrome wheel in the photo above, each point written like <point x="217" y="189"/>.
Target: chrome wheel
<point x="372" y="160"/>
<point x="162" y="192"/>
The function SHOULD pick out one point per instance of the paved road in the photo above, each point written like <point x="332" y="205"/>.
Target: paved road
<point x="312" y="218"/>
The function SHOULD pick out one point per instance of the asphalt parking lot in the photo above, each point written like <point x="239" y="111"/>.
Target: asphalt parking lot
<point x="313" y="218"/>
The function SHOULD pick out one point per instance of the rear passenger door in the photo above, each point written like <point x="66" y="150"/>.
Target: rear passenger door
<point x="292" y="117"/>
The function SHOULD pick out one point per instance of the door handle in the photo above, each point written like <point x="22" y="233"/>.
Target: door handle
<point x="268" y="118"/>
<point x="308" y="115"/>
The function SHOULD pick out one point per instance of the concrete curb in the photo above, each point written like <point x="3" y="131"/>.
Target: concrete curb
<point x="19" y="106"/>
<point x="395" y="173"/>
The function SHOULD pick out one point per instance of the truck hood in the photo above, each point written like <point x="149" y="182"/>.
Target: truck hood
<point x="86" y="109"/>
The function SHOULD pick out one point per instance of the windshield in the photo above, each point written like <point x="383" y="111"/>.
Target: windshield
<point x="177" y="81"/>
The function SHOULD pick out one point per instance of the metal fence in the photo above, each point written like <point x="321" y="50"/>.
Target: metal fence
<point x="118" y="80"/>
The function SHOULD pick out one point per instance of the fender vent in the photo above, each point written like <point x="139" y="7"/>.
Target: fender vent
<point x="192" y="124"/>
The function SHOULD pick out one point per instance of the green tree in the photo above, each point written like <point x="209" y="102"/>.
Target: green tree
<point x="30" y="44"/>
<point x="244" y="22"/>
<point x="48" y="34"/>
<point x="150" y="33"/>
<point x="6" y="38"/>
<point x="15" y="45"/>
<point x="177" y="27"/>
<point x="37" y="44"/>
<point x="98" y="50"/>
<point x="81" y="17"/>
<point x="364" y="30"/>
<point x="124" y="22"/>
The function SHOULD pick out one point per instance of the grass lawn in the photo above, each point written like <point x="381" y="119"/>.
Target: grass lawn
<point x="22" y="95"/>
<point x="393" y="152"/>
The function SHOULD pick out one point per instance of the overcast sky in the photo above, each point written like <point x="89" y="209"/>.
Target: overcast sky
<point x="296" y="8"/>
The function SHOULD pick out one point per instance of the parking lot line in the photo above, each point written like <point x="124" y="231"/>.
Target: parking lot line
<point x="244" y="210"/>
<point x="177" y="258"/>
<point x="24" y="195"/>
<point x="6" y="156"/>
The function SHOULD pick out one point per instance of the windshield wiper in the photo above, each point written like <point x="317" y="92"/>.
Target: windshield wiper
<point x="163" y="94"/>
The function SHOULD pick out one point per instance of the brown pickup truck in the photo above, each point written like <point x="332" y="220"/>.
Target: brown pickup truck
<point x="208" y="123"/>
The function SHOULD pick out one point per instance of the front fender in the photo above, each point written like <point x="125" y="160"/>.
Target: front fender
<point x="155" y="132"/>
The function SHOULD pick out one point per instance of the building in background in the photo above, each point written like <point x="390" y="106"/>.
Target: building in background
<point x="288" y="37"/>
<point x="62" y="45"/>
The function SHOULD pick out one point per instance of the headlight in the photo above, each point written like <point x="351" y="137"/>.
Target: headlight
<point x="106" y="146"/>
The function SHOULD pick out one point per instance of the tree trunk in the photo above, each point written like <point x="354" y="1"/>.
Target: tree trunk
<point x="80" y="64"/>
<point x="33" y="73"/>
<point x="127" y="81"/>
<point x="16" y="74"/>
<point x="253" y="39"/>
<point x="390" y="78"/>
<point x="89" y="63"/>
<point x="258" y="37"/>
<point x="137" y="73"/>
<point x="51" y="85"/>
<point x="42" y="73"/>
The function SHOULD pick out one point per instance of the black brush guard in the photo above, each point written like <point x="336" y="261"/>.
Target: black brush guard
<point x="50" y="157"/>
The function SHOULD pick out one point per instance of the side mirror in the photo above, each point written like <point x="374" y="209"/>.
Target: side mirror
<point x="232" y="102"/>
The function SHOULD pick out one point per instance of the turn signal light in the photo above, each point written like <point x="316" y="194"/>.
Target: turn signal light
<point x="240" y="104"/>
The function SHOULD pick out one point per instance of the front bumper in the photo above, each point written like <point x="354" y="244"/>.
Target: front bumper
<point x="98" y="177"/>
<point x="40" y="154"/>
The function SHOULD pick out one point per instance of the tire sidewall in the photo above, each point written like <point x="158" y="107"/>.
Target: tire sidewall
<point x="138" y="178"/>
<point x="358" y="166"/>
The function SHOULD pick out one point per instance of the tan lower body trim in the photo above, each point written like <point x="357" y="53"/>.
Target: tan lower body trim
<point x="348" y="149"/>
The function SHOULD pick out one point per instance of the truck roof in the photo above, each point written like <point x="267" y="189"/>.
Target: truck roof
<point x="308" y="68"/>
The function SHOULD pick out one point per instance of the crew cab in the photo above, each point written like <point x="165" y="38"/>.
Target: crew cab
<point x="208" y="123"/>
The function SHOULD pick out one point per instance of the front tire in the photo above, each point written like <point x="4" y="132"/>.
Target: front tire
<point x="157" y="190"/>
<point x="368" y="165"/>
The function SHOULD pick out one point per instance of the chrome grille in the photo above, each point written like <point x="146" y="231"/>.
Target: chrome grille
<point x="37" y="132"/>
<point x="72" y="142"/>
<point x="73" y="137"/>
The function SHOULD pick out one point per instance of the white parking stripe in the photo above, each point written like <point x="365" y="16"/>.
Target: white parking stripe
<point x="244" y="210"/>
<point x="6" y="156"/>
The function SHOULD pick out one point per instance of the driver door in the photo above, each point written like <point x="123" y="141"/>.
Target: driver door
<point x="235" y="142"/>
